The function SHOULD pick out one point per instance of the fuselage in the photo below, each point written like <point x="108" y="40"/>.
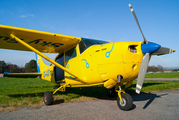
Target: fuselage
<point x="100" y="63"/>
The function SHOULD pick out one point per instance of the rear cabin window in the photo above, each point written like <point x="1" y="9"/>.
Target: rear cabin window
<point x="70" y="54"/>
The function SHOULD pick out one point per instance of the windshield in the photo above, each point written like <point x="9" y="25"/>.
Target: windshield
<point x="86" y="43"/>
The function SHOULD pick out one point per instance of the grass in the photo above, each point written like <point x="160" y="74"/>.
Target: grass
<point x="149" y="86"/>
<point x="163" y="75"/>
<point x="20" y="92"/>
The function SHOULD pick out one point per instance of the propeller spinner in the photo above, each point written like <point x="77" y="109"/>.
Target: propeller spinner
<point x="148" y="48"/>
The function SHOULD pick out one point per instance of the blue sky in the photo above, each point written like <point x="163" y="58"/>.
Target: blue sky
<point x="109" y="20"/>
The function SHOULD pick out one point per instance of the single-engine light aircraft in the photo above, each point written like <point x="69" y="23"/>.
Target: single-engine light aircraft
<point x="82" y="62"/>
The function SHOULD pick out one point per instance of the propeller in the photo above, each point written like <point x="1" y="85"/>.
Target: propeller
<point x="142" y="72"/>
<point x="148" y="49"/>
<point x="163" y="50"/>
<point x="133" y="13"/>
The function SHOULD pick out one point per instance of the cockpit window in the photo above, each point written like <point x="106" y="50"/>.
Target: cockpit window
<point x="86" y="43"/>
<point x="82" y="46"/>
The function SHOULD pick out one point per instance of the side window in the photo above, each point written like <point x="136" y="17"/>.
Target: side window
<point x="70" y="54"/>
<point x="82" y="47"/>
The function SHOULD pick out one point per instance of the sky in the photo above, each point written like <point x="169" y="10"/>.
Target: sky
<point x="109" y="20"/>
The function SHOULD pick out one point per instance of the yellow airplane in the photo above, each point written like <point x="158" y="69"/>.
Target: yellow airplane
<point x="83" y="62"/>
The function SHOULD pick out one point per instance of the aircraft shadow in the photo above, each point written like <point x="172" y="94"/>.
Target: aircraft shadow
<point x="56" y="102"/>
<point x="98" y="92"/>
<point x="146" y="96"/>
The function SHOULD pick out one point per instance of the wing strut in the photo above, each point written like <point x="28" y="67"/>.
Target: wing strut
<point x="45" y="57"/>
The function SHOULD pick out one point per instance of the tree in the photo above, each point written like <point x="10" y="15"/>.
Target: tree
<point x="155" y="68"/>
<point x="160" y="68"/>
<point x="12" y="68"/>
<point x="176" y="70"/>
<point x="152" y="68"/>
<point x="2" y="66"/>
<point x="31" y="66"/>
<point x="23" y="70"/>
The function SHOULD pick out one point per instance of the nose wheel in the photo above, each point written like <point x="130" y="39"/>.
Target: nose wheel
<point x="126" y="101"/>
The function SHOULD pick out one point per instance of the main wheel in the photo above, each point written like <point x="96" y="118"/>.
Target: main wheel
<point x="127" y="102"/>
<point x="48" y="98"/>
<point x="111" y="92"/>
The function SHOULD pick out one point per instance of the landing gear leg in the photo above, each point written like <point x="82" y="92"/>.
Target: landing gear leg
<point x="124" y="100"/>
<point x="61" y="88"/>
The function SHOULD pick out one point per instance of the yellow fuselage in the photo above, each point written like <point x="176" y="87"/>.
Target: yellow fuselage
<point x="100" y="63"/>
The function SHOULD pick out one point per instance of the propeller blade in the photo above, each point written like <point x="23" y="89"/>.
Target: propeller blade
<point x="163" y="50"/>
<point x="133" y="13"/>
<point x="142" y="72"/>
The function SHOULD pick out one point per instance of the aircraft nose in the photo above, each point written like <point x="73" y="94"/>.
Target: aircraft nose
<point x="150" y="47"/>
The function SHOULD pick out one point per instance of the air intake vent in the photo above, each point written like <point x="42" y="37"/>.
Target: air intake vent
<point x="133" y="49"/>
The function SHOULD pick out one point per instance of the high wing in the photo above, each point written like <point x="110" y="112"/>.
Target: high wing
<point x="38" y="41"/>
<point x="42" y="41"/>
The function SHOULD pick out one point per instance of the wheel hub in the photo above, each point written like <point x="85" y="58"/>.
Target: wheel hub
<point x="124" y="102"/>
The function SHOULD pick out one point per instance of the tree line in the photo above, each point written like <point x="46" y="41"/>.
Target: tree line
<point x="160" y="68"/>
<point x="31" y="66"/>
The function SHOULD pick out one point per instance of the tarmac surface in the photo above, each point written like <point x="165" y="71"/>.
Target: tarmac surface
<point x="163" y="105"/>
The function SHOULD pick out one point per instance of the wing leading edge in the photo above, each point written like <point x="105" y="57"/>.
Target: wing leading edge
<point x="42" y="41"/>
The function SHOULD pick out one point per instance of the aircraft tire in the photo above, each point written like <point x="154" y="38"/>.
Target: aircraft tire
<point x="128" y="102"/>
<point x="111" y="92"/>
<point x="48" y="98"/>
